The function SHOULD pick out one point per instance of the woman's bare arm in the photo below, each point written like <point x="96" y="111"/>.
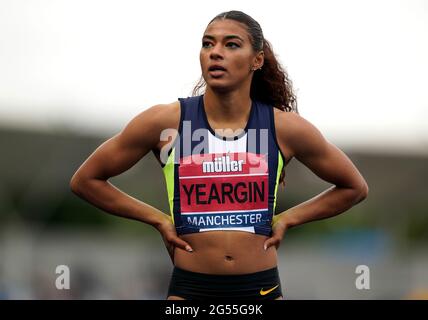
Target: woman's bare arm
<point x="306" y="143"/>
<point x="118" y="154"/>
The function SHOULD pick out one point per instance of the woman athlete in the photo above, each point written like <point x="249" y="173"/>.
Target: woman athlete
<point x="223" y="154"/>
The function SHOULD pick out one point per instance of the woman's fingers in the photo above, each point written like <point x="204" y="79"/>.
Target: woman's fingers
<point x="180" y="243"/>
<point x="272" y="241"/>
<point x="277" y="234"/>
<point x="170" y="236"/>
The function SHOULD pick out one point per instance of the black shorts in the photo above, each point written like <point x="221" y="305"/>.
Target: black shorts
<point x="262" y="285"/>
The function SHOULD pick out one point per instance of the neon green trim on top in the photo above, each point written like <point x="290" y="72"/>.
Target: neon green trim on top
<point x="278" y="174"/>
<point x="168" y="171"/>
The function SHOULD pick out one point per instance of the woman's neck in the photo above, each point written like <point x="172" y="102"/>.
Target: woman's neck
<point x="229" y="107"/>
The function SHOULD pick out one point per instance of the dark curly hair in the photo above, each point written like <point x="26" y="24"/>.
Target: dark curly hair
<point x="271" y="83"/>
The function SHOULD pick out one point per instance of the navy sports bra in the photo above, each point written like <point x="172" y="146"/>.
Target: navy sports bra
<point x="223" y="182"/>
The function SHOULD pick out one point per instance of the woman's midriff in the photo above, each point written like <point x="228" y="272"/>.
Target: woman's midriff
<point x="225" y="252"/>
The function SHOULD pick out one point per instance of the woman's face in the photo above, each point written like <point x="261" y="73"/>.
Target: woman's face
<point x="227" y="57"/>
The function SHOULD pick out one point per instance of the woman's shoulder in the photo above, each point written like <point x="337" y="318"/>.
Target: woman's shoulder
<point x="291" y="123"/>
<point x="149" y="124"/>
<point x="165" y="108"/>
<point x="298" y="135"/>
<point x="293" y="131"/>
<point x="163" y="116"/>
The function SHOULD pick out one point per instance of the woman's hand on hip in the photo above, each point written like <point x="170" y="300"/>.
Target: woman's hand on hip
<point x="170" y="238"/>
<point x="278" y="230"/>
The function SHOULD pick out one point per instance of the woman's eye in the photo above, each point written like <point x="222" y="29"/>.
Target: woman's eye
<point x="232" y="44"/>
<point x="229" y="44"/>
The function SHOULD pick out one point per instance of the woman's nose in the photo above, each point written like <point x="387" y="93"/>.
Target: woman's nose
<point x="216" y="52"/>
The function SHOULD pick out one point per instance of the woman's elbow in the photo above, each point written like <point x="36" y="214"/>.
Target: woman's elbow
<point x="76" y="184"/>
<point x="362" y="191"/>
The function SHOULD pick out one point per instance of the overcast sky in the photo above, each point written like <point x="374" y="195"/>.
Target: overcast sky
<point x="359" y="68"/>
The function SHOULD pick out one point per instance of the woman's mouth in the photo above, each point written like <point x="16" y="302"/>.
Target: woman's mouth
<point x="216" y="71"/>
